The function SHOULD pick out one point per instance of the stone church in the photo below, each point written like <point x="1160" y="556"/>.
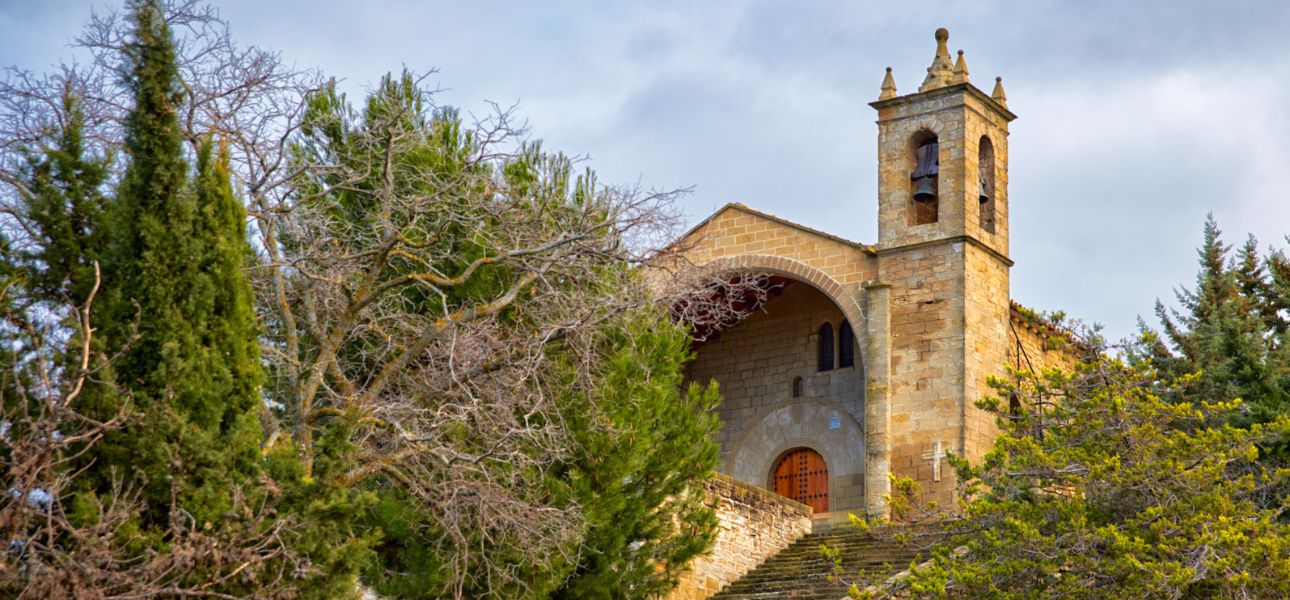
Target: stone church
<point x="865" y="359"/>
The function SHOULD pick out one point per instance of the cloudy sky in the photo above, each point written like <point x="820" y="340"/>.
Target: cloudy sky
<point x="1136" y="118"/>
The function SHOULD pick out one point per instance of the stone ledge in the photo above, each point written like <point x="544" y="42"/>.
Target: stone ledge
<point x="741" y="490"/>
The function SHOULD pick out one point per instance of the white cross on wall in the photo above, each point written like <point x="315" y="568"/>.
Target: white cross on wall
<point x="935" y="456"/>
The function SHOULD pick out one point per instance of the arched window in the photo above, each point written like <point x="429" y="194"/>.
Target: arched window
<point x="826" y="347"/>
<point x="985" y="168"/>
<point x="846" y="346"/>
<point x="797" y="387"/>
<point x="923" y="182"/>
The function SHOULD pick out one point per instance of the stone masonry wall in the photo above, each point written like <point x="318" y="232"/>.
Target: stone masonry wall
<point x="755" y="362"/>
<point x="754" y="525"/>
<point x="927" y="350"/>
<point x="986" y="320"/>
<point x="737" y="230"/>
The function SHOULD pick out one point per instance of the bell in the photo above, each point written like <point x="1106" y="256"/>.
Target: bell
<point x="926" y="192"/>
<point x="984" y="194"/>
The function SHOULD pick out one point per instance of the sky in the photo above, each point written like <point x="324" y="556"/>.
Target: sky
<point x="1137" y="119"/>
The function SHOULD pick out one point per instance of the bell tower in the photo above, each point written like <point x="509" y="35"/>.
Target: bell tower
<point x="943" y="158"/>
<point x="943" y="252"/>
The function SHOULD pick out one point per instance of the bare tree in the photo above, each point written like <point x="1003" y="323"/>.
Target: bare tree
<point x="247" y="97"/>
<point x="415" y="272"/>
<point x="428" y="268"/>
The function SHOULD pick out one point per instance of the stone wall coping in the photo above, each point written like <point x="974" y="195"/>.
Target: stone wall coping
<point x="749" y="490"/>
<point x="1017" y="313"/>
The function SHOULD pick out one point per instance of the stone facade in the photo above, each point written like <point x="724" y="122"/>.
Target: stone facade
<point x="753" y="525"/>
<point x="929" y="305"/>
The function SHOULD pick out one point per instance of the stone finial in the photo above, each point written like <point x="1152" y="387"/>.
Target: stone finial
<point x="941" y="73"/>
<point x="960" y="70"/>
<point x="888" y="86"/>
<point x="998" y="94"/>
<point x="942" y="36"/>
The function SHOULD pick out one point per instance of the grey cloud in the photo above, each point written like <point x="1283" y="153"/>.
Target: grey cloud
<point x="1137" y="118"/>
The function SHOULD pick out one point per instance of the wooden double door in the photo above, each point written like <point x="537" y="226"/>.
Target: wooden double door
<point x="802" y="475"/>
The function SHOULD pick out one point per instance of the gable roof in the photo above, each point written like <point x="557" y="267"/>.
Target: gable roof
<point x="866" y="248"/>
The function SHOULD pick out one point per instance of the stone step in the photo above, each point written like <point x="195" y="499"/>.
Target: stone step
<point x="800" y="571"/>
<point x="779" y="573"/>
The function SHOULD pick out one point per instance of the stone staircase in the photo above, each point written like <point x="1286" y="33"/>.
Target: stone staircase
<point x="800" y="571"/>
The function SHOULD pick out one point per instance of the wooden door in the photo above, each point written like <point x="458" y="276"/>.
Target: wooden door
<point x="802" y="475"/>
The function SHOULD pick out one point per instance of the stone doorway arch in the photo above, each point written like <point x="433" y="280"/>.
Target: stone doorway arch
<point x="802" y="475"/>
<point x="818" y="424"/>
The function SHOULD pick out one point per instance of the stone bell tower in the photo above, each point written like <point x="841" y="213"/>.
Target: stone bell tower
<point x="943" y="252"/>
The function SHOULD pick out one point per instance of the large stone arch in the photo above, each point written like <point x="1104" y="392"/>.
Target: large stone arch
<point x="798" y="270"/>
<point x="837" y="432"/>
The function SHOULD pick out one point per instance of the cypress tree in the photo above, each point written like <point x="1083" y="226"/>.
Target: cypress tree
<point x="178" y="318"/>
<point x="175" y="348"/>
<point x="65" y="204"/>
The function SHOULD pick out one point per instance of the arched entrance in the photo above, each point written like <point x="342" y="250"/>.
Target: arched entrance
<point x="802" y="475"/>
<point x="778" y="392"/>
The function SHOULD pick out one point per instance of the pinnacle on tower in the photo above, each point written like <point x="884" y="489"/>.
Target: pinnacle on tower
<point x="941" y="73"/>
<point x="960" y="70"/>
<point x="888" y="86"/>
<point x="998" y="94"/>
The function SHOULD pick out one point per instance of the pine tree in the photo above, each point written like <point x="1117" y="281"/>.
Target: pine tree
<point x="646" y="445"/>
<point x="1226" y="330"/>
<point x="1127" y="495"/>
<point x="1229" y="338"/>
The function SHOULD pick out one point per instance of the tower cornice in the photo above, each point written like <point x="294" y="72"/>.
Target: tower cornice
<point x="957" y="239"/>
<point x="947" y="91"/>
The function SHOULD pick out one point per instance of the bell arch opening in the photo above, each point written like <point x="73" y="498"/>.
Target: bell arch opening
<point x="924" y="179"/>
<point x="985" y="184"/>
